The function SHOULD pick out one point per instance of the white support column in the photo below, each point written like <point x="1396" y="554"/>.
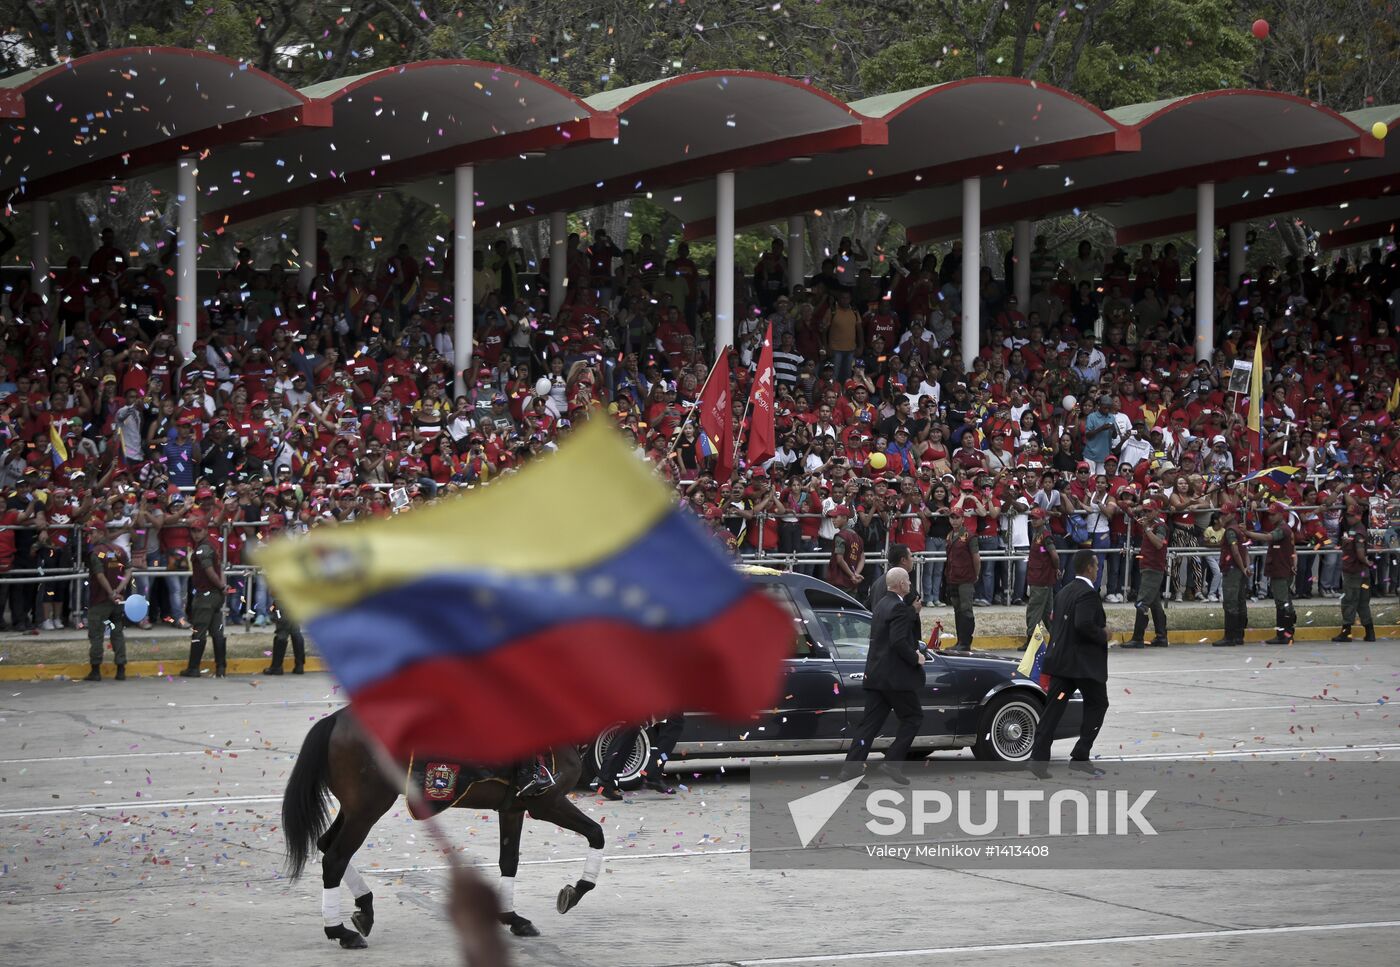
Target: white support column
<point x="796" y="251"/>
<point x="1236" y="254"/>
<point x="1022" y="269"/>
<point x="724" y="260"/>
<point x="971" y="270"/>
<point x="558" y="259"/>
<point x="463" y="299"/>
<point x="39" y="252"/>
<point x="306" y="247"/>
<point x="1205" y="269"/>
<point x="186" y="255"/>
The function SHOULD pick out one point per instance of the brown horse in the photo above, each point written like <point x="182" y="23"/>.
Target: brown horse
<point x="336" y="759"/>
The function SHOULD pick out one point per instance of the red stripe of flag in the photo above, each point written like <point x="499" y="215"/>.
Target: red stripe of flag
<point x="570" y="682"/>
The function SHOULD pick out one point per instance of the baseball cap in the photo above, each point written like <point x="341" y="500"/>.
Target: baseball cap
<point x="840" y="510"/>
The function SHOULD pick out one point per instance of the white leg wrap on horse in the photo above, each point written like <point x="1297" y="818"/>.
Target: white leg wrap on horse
<point x="507" y="890"/>
<point x="593" y="865"/>
<point x="356" y="882"/>
<point x="330" y="905"/>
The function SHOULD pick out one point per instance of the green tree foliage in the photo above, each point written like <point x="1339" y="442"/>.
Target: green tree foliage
<point x="1110" y="53"/>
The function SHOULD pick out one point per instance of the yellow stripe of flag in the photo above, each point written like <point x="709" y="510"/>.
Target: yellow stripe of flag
<point x="60" y="449"/>
<point x="1256" y="382"/>
<point x="564" y="512"/>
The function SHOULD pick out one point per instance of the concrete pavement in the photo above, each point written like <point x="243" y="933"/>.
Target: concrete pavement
<point x="139" y="824"/>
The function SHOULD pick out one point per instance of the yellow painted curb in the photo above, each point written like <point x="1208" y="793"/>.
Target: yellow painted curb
<point x="1200" y="636"/>
<point x="140" y="669"/>
<point x="255" y="666"/>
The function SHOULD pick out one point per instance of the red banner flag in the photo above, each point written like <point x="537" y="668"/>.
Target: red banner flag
<point x="716" y="407"/>
<point x="762" y="399"/>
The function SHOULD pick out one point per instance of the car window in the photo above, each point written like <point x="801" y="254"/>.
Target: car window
<point x="849" y="632"/>
<point x="803" y="646"/>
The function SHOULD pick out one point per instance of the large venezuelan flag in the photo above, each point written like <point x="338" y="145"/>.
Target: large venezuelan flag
<point x="534" y="612"/>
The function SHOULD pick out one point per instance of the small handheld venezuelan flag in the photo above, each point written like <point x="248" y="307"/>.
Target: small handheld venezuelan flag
<point x="58" y="449"/>
<point x="538" y="611"/>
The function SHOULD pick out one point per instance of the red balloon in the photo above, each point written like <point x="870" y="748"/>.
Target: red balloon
<point x="1260" y="29"/>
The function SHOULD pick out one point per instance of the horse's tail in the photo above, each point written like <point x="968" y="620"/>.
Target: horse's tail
<point x="305" y="815"/>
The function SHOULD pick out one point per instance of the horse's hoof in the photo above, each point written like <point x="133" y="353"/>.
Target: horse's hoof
<point x="571" y="894"/>
<point x="519" y="925"/>
<point x="348" y="939"/>
<point x="363" y="917"/>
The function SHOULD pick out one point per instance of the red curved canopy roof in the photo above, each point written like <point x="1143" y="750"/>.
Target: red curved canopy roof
<point x="1214" y="136"/>
<point x="117" y="113"/>
<point x="395" y="126"/>
<point x="1358" y="184"/>
<point x="673" y="133"/>
<point x="980" y="126"/>
<point x="266" y="148"/>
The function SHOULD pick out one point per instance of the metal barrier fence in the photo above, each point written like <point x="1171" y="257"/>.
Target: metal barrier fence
<point x="1010" y="562"/>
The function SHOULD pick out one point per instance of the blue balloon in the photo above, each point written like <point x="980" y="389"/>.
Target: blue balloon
<point x="136" y="607"/>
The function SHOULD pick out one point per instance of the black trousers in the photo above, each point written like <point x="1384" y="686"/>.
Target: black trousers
<point x="879" y="703"/>
<point x="1095" y="708"/>
<point x="666" y="734"/>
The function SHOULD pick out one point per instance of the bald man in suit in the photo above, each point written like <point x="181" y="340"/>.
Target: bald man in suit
<point x="894" y="676"/>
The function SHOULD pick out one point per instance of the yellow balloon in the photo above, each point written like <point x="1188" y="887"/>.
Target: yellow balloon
<point x="878" y="461"/>
<point x="1380" y="130"/>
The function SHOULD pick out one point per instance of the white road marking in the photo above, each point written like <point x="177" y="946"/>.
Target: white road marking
<point x="1283" y="665"/>
<point x="135" y="806"/>
<point x="1245" y="708"/>
<point x="1249" y="753"/>
<point x="212" y="753"/>
<point x="1054" y="944"/>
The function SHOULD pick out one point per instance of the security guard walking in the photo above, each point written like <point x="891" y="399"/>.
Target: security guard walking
<point x="1356" y="576"/>
<point x="108" y="576"/>
<point x="1153" y="565"/>
<point x="207" y="607"/>
<point x="1234" y="569"/>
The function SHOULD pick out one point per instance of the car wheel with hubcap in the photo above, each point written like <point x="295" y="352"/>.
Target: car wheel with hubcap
<point x="1007" y="729"/>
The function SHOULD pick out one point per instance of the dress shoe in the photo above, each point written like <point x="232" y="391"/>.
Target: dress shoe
<point x="892" y="773"/>
<point x="1135" y="643"/>
<point x="1086" y="768"/>
<point x="611" y="793"/>
<point x="189" y="673"/>
<point x="1223" y="643"/>
<point x="1279" y="640"/>
<point x="298" y="669"/>
<point x="272" y="670"/>
<point x="121" y="673"/>
<point x="1157" y="643"/>
<point x="657" y="784"/>
<point x="1041" y="770"/>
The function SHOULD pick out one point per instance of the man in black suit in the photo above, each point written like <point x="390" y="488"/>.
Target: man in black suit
<point x="1077" y="658"/>
<point x="899" y="557"/>
<point x="894" y="674"/>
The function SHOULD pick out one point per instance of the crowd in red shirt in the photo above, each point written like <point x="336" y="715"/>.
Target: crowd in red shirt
<point x="339" y="402"/>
